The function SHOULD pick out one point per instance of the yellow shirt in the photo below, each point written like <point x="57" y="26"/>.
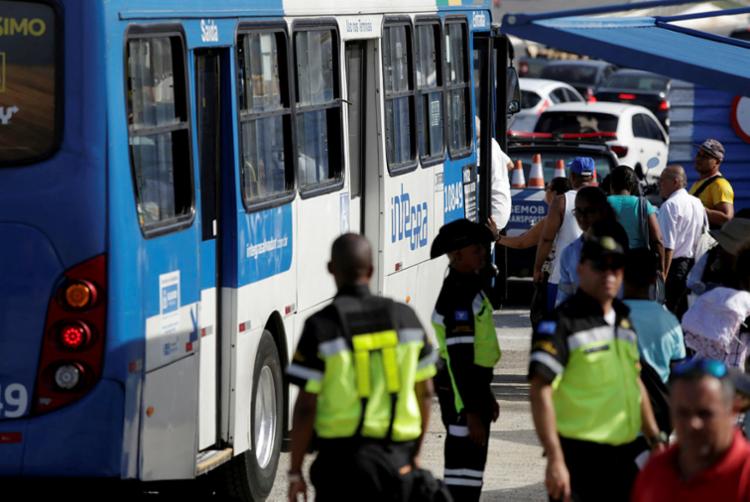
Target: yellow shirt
<point x="717" y="192"/>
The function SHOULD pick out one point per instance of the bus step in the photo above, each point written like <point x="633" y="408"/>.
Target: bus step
<point x="208" y="460"/>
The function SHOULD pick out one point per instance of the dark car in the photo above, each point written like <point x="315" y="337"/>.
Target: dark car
<point x="585" y="75"/>
<point x="528" y="205"/>
<point x="531" y="67"/>
<point x="638" y="87"/>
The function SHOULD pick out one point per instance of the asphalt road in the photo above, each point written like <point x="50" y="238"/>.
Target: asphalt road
<point x="515" y="467"/>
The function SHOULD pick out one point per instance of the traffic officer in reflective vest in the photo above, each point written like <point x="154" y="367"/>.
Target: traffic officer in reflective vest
<point x="587" y="398"/>
<point x="364" y="368"/>
<point x="468" y="350"/>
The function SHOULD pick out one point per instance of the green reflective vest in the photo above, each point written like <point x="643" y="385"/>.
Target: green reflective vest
<point x="371" y="372"/>
<point x="486" y="347"/>
<point x="597" y="398"/>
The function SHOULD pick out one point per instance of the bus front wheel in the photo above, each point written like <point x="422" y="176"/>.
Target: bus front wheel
<point x="251" y="474"/>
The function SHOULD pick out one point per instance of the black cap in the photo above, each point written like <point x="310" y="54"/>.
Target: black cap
<point x="457" y="235"/>
<point x="597" y="249"/>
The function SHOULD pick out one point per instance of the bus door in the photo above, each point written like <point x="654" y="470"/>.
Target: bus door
<point x="211" y="88"/>
<point x="364" y="153"/>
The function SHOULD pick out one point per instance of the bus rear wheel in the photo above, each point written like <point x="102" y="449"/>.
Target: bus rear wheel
<point x="250" y="475"/>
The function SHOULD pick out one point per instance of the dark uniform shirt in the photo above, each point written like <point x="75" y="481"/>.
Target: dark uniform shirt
<point x="455" y="305"/>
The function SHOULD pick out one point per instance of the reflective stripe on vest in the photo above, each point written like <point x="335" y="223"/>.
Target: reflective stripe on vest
<point x="597" y="397"/>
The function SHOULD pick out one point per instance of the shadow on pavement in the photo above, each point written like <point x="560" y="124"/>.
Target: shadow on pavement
<point x="529" y="493"/>
<point x="525" y="437"/>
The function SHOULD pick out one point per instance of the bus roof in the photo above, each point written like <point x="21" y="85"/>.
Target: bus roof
<point x="653" y="43"/>
<point x="131" y="9"/>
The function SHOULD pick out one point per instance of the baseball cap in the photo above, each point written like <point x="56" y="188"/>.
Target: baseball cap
<point x="605" y="252"/>
<point x="733" y="235"/>
<point x="714" y="148"/>
<point x="457" y="235"/>
<point x="582" y="166"/>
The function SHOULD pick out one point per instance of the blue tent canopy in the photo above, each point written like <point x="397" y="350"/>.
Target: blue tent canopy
<point x="649" y="43"/>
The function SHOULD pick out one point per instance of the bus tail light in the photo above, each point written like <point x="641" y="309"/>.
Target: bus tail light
<point x="72" y="354"/>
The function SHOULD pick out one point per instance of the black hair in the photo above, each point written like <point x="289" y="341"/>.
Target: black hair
<point x="624" y="178"/>
<point x="597" y="200"/>
<point x="641" y="266"/>
<point x="559" y="185"/>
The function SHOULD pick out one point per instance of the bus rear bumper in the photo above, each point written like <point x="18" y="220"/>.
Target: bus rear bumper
<point x="82" y="439"/>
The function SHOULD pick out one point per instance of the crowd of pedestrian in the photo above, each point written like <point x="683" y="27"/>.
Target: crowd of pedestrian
<point x="637" y="359"/>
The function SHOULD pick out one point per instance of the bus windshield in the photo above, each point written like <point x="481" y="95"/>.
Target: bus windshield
<point x="28" y="77"/>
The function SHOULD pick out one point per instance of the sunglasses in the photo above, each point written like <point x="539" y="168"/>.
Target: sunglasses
<point x="613" y="263"/>
<point x="699" y="367"/>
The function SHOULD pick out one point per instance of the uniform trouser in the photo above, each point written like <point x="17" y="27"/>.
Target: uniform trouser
<point x="464" y="459"/>
<point x="601" y="472"/>
<point x="365" y="471"/>
<point x="676" y="289"/>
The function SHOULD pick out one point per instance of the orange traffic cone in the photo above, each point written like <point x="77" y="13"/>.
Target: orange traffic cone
<point x="594" y="180"/>
<point x="518" y="180"/>
<point x="536" y="174"/>
<point x="560" y="169"/>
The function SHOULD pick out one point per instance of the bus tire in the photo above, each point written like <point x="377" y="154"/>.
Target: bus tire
<point x="250" y="475"/>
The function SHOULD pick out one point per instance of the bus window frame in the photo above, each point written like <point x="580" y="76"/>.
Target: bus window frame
<point x="290" y="145"/>
<point x="160" y="30"/>
<point x="59" y="97"/>
<point x="336" y="156"/>
<point x="467" y="86"/>
<point x="410" y="165"/>
<point x="431" y="160"/>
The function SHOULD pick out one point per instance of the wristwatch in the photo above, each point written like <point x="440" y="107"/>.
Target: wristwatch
<point x="660" y="438"/>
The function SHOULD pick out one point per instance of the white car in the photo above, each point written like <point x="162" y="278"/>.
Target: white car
<point x="537" y="95"/>
<point x="632" y="132"/>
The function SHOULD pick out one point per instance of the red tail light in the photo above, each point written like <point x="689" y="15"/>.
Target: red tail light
<point x="626" y="96"/>
<point x="72" y="353"/>
<point x="590" y="95"/>
<point x="664" y="105"/>
<point x="620" y="151"/>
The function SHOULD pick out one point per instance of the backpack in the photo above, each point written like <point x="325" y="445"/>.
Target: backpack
<point x="426" y="488"/>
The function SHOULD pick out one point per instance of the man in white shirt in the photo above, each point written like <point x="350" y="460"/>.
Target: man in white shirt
<point x="501" y="164"/>
<point x="682" y="220"/>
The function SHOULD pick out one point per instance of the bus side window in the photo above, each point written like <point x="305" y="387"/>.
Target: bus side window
<point x="267" y="166"/>
<point x="318" y="110"/>
<point x="158" y="132"/>
<point x="429" y="92"/>
<point x="400" y="144"/>
<point x="458" y="88"/>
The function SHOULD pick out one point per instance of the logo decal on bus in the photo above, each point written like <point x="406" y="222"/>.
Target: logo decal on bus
<point x="6" y="113"/>
<point x="14" y="400"/>
<point x="209" y="30"/>
<point x="479" y="20"/>
<point x="409" y="221"/>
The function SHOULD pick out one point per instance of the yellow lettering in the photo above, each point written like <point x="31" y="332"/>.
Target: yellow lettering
<point x="11" y="26"/>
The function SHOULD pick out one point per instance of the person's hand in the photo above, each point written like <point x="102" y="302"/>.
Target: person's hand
<point x="495" y="410"/>
<point x="658" y="447"/>
<point x="477" y="429"/>
<point x="493" y="228"/>
<point x="297" y="487"/>
<point x="538" y="275"/>
<point x="557" y="480"/>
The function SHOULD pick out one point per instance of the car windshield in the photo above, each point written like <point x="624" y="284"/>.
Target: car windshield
<point x="551" y="158"/>
<point x="579" y="74"/>
<point x="576" y="122"/>
<point x="529" y="99"/>
<point x="636" y="82"/>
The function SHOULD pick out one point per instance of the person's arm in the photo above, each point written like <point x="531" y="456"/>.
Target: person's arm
<point x="666" y="224"/>
<point x="425" y="392"/>
<point x="720" y="214"/>
<point x="649" y="426"/>
<point x="526" y="240"/>
<point x="557" y="477"/>
<point x="552" y="224"/>
<point x="303" y="421"/>
<point x="657" y="241"/>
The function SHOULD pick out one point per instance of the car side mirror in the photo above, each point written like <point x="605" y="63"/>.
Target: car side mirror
<point x="513" y="88"/>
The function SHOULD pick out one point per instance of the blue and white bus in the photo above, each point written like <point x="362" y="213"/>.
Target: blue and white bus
<point x="172" y="175"/>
